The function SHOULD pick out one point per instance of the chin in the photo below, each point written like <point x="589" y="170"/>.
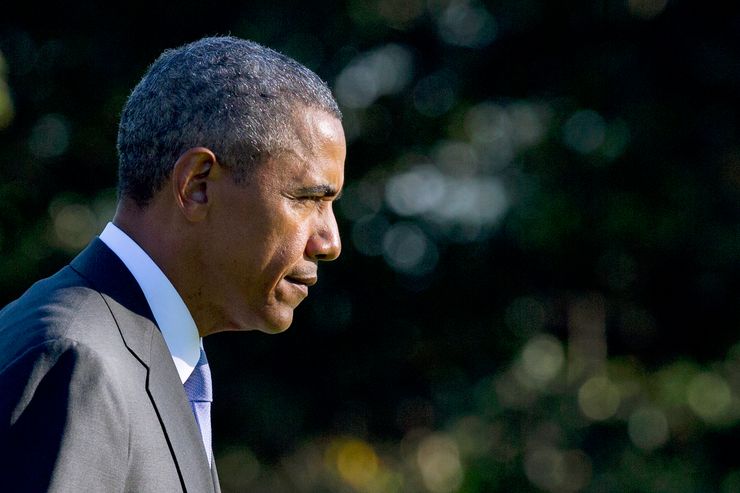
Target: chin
<point x="274" y="329"/>
<point x="275" y="323"/>
<point x="268" y="321"/>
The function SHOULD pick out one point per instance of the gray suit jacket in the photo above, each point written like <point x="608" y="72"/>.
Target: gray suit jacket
<point x="90" y="399"/>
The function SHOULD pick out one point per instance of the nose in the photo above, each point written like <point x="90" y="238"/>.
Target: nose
<point x="325" y="243"/>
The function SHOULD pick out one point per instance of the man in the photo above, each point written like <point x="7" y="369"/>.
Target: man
<point x="230" y="156"/>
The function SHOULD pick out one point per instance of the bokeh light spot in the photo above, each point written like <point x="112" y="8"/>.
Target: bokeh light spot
<point x="49" y="136"/>
<point x="545" y="467"/>
<point x="542" y="358"/>
<point x="648" y="428"/>
<point x="238" y="468"/>
<point x="415" y="191"/>
<point x="584" y="131"/>
<point x="557" y="471"/>
<point x="384" y="70"/>
<point x="673" y="381"/>
<point x="409" y="250"/>
<point x="499" y="131"/>
<point x="456" y="158"/>
<point x="74" y="226"/>
<point x="466" y="23"/>
<point x="450" y="201"/>
<point x="709" y="396"/>
<point x="7" y="110"/>
<point x="598" y="398"/>
<point x="75" y="221"/>
<point x="438" y="458"/>
<point x="356" y="462"/>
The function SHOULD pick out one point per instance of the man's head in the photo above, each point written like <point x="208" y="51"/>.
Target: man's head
<point x="230" y="158"/>
<point x="229" y="95"/>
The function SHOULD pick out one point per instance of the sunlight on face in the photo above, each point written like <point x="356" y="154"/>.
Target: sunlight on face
<point x="267" y="235"/>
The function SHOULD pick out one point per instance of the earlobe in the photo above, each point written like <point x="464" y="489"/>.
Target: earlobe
<point x="190" y="181"/>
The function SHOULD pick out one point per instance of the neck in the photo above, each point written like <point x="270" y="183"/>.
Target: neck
<point x="164" y="237"/>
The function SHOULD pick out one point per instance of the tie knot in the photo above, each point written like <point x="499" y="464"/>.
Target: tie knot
<point x="198" y="385"/>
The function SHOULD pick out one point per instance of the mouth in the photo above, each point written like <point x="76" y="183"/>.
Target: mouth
<point x="303" y="280"/>
<point x="301" y="283"/>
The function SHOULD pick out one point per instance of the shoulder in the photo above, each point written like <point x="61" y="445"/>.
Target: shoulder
<point x="63" y="307"/>
<point x="60" y="374"/>
<point x="63" y="417"/>
<point x="62" y="360"/>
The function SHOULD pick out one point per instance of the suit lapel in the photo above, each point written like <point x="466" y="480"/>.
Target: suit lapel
<point x="136" y="323"/>
<point x="177" y="418"/>
<point x="214" y="475"/>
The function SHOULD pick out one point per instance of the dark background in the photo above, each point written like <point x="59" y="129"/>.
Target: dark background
<point x="541" y="222"/>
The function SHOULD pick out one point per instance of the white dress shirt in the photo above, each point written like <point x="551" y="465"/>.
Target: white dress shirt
<point x="172" y="316"/>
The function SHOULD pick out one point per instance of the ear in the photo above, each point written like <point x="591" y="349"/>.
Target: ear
<point x="194" y="170"/>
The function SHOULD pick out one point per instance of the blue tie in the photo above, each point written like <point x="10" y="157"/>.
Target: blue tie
<point x="200" y="394"/>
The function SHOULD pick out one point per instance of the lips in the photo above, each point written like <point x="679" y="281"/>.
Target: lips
<point x="304" y="280"/>
<point x="301" y="283"/>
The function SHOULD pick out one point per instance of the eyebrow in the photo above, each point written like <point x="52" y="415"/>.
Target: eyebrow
<point x="320" y="190"/>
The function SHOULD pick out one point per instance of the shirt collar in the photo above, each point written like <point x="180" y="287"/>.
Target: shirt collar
<point x="169" y="310"/>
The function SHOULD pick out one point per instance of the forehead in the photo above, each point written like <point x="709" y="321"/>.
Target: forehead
<point x="316" y="150"/>
<point x="313" y="128"/>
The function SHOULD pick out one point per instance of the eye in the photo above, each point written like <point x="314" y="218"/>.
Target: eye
<point x="306" y="201"/>
<point x="319" y="198"/>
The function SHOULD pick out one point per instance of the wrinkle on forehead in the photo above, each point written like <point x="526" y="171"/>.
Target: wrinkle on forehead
<point x="313" y="155"/>
<point x="311" y="128"/>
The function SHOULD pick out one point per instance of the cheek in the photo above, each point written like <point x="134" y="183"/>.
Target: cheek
<point x="289" y="237"/>
<point x="261" y="253"/>
<point x="285" y="256"/>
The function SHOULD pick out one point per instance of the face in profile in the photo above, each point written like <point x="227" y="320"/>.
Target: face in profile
<point x="268" y="234"/>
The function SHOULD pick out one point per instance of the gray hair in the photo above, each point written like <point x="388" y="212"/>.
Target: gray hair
<point x="232" y="96"/>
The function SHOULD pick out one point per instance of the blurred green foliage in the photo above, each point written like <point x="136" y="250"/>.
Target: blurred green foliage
<point x="541" y="223"/>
